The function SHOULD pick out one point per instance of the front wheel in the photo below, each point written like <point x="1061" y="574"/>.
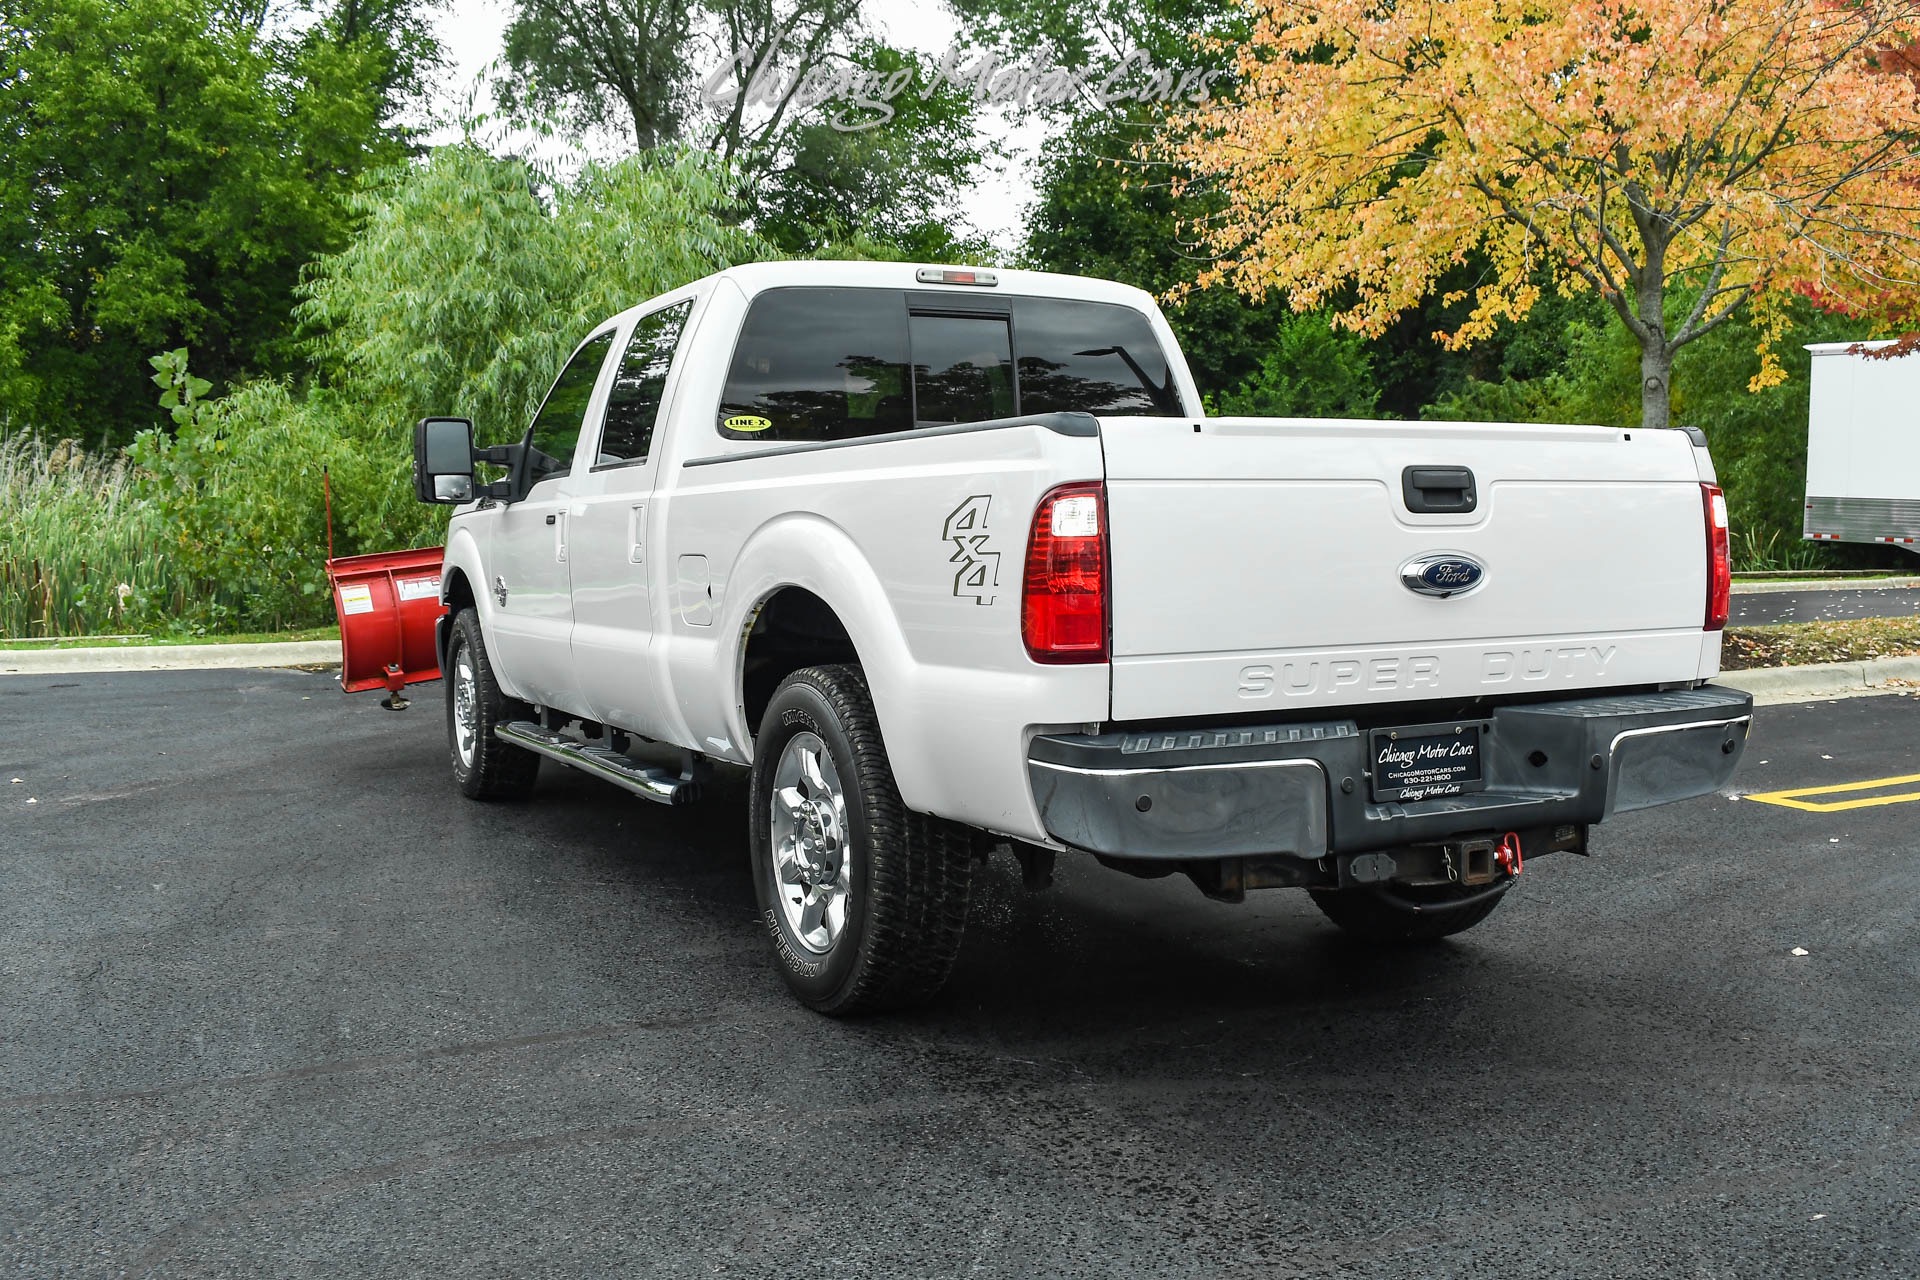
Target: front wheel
<point x="864" y="900"/>
<point x="1409" y="913"/>
<point x="485" y="766"/>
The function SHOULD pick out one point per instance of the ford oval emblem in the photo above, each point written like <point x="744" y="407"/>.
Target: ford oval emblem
<point x="1442" y="574"/>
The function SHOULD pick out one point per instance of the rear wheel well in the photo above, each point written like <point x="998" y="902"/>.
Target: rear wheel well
<point x="793" y="629"/>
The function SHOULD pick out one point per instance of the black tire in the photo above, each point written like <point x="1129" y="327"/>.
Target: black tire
<point x="904" y="898"/>
<point x="491" y="769"/>
<point x="1387" y="916"/>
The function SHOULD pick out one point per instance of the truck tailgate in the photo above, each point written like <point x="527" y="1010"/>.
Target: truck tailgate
<point x="1257" y="563"/>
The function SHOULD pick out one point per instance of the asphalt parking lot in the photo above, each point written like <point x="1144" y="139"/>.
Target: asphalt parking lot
<point x="1756" y="608"/>
<point x="278" y="1002"/>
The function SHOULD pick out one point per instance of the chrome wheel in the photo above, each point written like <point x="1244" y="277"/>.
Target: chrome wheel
<point x="466" y="708"/>
<point x="812" y="854"/>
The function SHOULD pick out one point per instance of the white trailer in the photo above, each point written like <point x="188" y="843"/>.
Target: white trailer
<point x="1863" y="447"/>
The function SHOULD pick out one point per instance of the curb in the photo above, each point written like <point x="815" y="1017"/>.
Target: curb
<point x="1767" y="684"/>
<point x="1770" y="685"/>
<point x="171" y="657"/>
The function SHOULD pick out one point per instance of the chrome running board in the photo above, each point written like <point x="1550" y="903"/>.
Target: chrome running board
<point x="648" y="781"/>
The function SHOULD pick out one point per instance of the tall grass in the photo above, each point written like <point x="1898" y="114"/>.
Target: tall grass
<point x="1755" y="551"/>
<point x="80" y="554"/>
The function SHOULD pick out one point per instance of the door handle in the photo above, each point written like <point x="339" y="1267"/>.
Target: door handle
<point x="1438" y="490"/>
<point x="550" y="518"/>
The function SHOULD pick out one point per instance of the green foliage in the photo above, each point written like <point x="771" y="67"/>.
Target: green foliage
<point x="1584" y="370"/>
<point x="399" y="36"/>
<point x="237" y="489"/>
<point x="464" y="291"/>
<point x="467" y="287"/>
<point x="1311" y="371"/>
<point x="1769" y="551"/>
<point x="559" y="53"/>
<point x="808" y="183"/>
<point x="1758" y="438"/>
<point x="181" y="393"/>
<point x="1106" y="217"/>
<point x="1081" y="33"/>
<point x="165" y="171"/>
<point x="897" y="182"/>
<point x="80" y="553"/>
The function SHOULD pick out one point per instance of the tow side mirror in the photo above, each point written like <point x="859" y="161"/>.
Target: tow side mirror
<point x="443" y="460"/>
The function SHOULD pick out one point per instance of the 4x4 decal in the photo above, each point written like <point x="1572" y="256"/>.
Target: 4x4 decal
<point x="979" y="571"/>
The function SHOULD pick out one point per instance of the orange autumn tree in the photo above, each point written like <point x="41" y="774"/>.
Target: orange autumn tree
<point x="1719" y="153"/>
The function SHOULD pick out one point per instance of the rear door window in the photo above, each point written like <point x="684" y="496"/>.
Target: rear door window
<point x="819" y="364"/>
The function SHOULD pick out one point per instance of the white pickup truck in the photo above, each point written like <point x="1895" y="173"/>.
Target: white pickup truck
<point x="952" y="559"/>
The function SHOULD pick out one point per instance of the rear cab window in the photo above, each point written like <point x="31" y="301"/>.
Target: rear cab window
<point x="822" y="364"/>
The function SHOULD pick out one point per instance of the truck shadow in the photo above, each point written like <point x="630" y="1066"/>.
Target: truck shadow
<point x="1099" y="963"/>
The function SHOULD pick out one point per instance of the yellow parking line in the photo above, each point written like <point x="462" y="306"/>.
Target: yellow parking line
<point x="1796" y="799"/>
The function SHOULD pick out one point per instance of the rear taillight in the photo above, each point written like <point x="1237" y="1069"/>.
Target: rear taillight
<point x="1719" y="559"/>
<point x="1063" y="599"/>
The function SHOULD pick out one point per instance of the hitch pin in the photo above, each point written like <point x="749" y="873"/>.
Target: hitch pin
<point x="1507" y="854"/>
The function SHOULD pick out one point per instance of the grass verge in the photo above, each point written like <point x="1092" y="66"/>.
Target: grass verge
<point x="1794" y="644"/>
<point x="132" y="642"/>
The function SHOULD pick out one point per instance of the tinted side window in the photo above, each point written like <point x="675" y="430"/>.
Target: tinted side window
<point x="819" y="364"/>
<point x="962" y="369"/>
<point x="633" y="403"/>
<point x="556" y="428"/>
<point x="1095" y="357"/>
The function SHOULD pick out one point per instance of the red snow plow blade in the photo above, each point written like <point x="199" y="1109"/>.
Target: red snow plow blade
<point x="388" y="603"/>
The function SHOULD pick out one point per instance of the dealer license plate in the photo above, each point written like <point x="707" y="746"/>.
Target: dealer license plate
<point x="1425" y="762"/>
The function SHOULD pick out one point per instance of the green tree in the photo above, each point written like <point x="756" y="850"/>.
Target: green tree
<point x="896" y="183"/>
<point x="1589" y="371"/>
<point x="1100" y="211"/>
<point x="465" y="287"/>
<point x="165" y="172"/>
<point x="612" y="64"/>
<point x="729" y="76"/>
<point x="1310" y="370"/>
<point x="469" y="282"/>
<point x="1079" y="34"/>
<point x="400" y="34"/>
<point x="1098" y="214"/>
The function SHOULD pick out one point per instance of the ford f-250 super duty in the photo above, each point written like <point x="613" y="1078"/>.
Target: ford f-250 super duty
<point x="952" y="558"/>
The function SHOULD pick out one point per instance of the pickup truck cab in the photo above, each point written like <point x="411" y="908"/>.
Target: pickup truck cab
<point x="951" y="558"/>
